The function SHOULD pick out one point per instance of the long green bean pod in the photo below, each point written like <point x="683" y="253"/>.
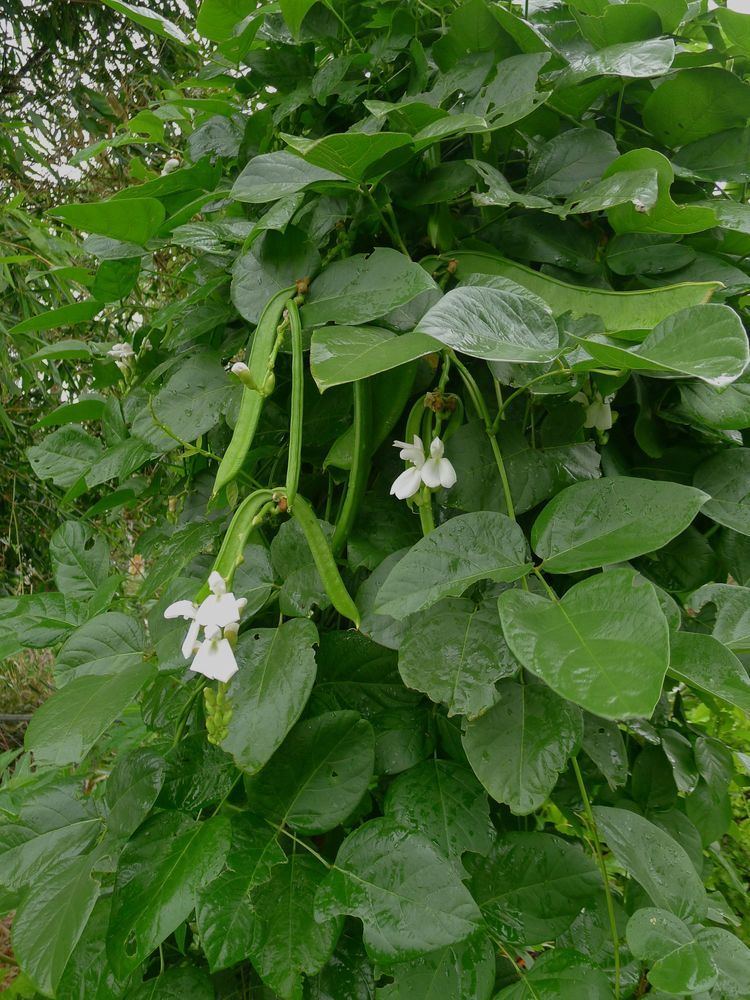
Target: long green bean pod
<point x="259" y="376"/>
<point x="324" y="561"/>
<point x="361" y="454"/>
<point x="235" y="539"/>
<point x="297" y="405"/>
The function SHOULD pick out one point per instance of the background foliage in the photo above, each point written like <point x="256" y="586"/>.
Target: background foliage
<point x="524" y="773"/>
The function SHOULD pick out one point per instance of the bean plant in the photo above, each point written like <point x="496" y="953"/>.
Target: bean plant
<point x="427" y="678"/>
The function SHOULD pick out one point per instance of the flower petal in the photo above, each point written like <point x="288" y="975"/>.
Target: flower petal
<point x="430" y="472"/>
<point x="219" y="610"/>
<point x="407" y="484"/>
<point x="217" y="584"/>
<point x="181" y="609"/>
<point x="447" y="474"/>
<point x="188" y="646"/>
<point x="436" y="448"/>
<point x="215" y="659"/>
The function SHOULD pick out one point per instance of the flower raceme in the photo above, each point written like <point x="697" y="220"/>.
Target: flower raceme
<point x="433" y="471"/>
<point x="122" y="354"/>
<point x="219" y="616"/>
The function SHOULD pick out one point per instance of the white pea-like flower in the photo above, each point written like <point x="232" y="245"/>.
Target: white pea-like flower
<point x="434" y="471"/>
<point x="598" y="410"/>
<point x="121" y="353"/>
<point x="219" y="616"/>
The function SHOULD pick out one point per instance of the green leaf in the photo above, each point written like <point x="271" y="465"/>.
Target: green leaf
<point x="362" y="288"/>
<point x="268" y="693"/>
<point x="406" y="893"/>
<point x="80" y="559"/>
<point x="569" y="160"/>
<point x="455" y="652"/>
<point x="726" y="478"/>
<point x="67" y="725"/>
<point x="731" y="613"/>
<point x="131" y="790"/>
<point x="357" y="156"/>
<point x="160" y="869"/>
<point x="109" y="644"/>
<point x="519" y="747"/>
<point x="445" y="802"/>
<point x="604" y="744"/>
<point x="150" y="19"/>
<point x="189" y="404"/>
<point x="469" y="548"/>
<point x="532" y="886"/>
<point x="53" y="319"/>
<point x="318" y="776"/>
<point x="88" y="972"/>
<point x="678" y="963"/>
<point x="341" y="354"/>
<point x="704" y="663"/>
<point x="651" y="57"/>
<point x="224" y="907"/>
<point x="294" y="12"/>
<point x="51" y="919"/>
<point x="611" y="520"/>
<point x="720" y="157"/>
<point x="731" y="958"/>
<point x="705" y="342"/>
<point x="135" y="220"/>
<point x="348" y="972"/>
<point x="640" y="310"/>
<point x="461" y="972"/>
<point x="655" y="860"/>
<point x="495" y="323"/>
<point x="275" y="175"/>
<point x="717" y="100"/>
<point x="72" y="413"/>
<point x="175" y="983"/>
<point x="604" y="645"/>
<point x="289" y="939"/>
<point x="275" y="262"/>
<point x="561" y="974"/>
<point x="65" y="455"/>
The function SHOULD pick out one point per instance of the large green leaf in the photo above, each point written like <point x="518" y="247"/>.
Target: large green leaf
<point x="460" y="972"/>
<point x="77" y="312"/>
<point x="340" y="354"/>
<point x="80" y="559"/>
<point x="611" y="520"/>
<point x="706" y="342"/>
<point x="455" y="652"/>
<point x="294" y="12"/>
<point x="275" y="175"/>
<point x="318" y="776"/>
<point x="604" y="645"/>
<point x="88" y="972"/>
<point x="655" y="860"/>
<point x="159" y="871"/>
<point x="532" y="886"/>
<point x="569" y="160"/>
<point x="731" y="613"/>
<point x="405" y="891"/>
<point x="444" y="801"/>
<point x="678" y="963"/>
<point x="188" y="405"/>
<point x="731" y="958"/>
<point x="720" y="157"/>
<point x="354" y="155"/>
<point x="473" y="547"/>
<point x="151" y="20"/>
<point x="704" y="663"/>
<point x="495" y="323"/>
<point x="716" y="99"/>
<point x="640" y="310"/>
<point x="561" y="974"/>
<point x="726" y="478"/>
<point x="131" y="790"/>
<point x="65" y="455"/>
<point x="52" y="918"/>
<point x="362" y="288"/>
<point x="135" y="220"/>
<point x="224" y="906"/>
<point x="68" y="724"/>
<point x="519" y="747"/>
<point x="275" y="262"/>
<point x="268" y="693"/>
<point x="289" y="938"/>
<point x="109" y="644"/>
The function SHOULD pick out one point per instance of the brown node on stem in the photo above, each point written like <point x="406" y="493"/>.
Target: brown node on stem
<point x="303" y="286"/>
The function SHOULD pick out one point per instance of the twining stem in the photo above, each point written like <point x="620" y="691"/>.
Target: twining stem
<point x="481" y="407"/>
<point x="591" y="823"/>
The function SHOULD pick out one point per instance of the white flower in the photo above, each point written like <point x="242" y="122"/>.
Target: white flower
<point x="407" y="484"/>
<point x="218" y="615"/>
<point x="122" y="353"/>
<point x="437" y="470"/>
<point x="598" y="410"/>
<point x="215" y="657"/>
<point x="171" y="164"/>
<point x="433" y="471"/>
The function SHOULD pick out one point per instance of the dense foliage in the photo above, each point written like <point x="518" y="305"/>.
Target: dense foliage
<point x="463" y="717"/>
